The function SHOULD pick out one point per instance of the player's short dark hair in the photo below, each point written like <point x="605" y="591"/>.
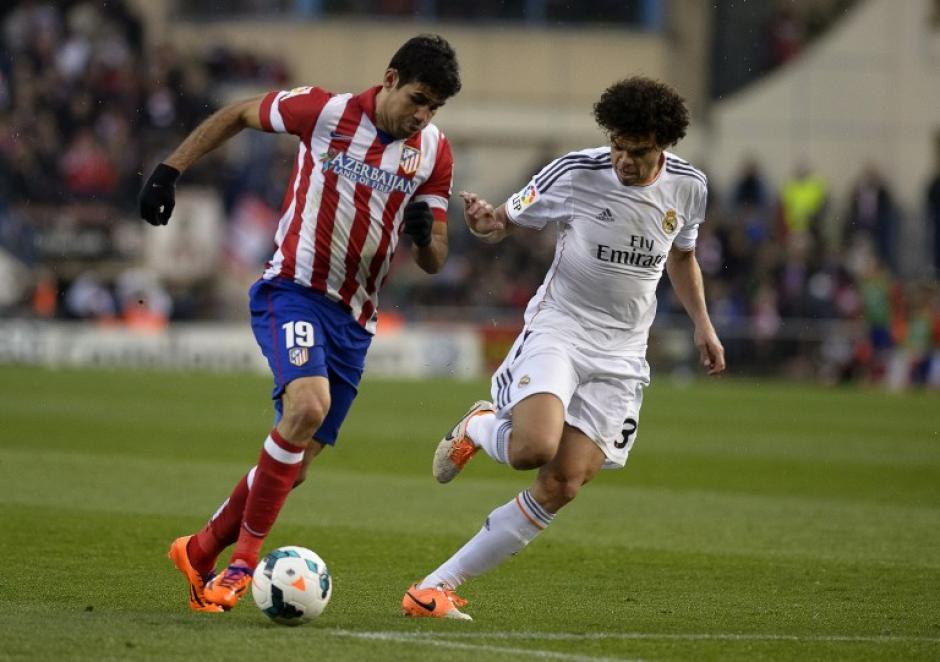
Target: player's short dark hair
<point x="428" y="59"/>
<point x="640" y="106"/>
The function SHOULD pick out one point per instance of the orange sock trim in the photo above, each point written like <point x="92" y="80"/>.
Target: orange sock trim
<point x="527" y="516"/>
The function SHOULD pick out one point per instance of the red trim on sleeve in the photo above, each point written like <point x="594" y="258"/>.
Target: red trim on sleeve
<point x="300" y="109"/>
<point x="441" y="177"/>
<point x="264" y="113"/>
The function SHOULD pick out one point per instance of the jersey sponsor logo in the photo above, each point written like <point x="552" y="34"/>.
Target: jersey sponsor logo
<point x="606" y="215"/>
<point x="298" y="356"/>
<point x="359" y="172"/>
<point x="629" y="257"/>
<point x="525" y="198"/>
<point x="524" y="380"/>
<point x="410" y="160"/>
<point x="297" y="91"/>
<point x="670" y="223"/>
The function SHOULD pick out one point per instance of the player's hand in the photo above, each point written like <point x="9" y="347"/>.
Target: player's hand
<point x="711" y="352"/>
<point x="158" y="196"/>
<point x="480" y="215"/>
<point x="418" y="221"/>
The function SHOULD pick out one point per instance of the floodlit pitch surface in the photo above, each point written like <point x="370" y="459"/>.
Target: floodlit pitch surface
<point x="755" y="520"/>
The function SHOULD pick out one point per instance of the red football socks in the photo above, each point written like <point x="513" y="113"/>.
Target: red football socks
<point x="277" y="469"/>
<point x="221" y="531"/>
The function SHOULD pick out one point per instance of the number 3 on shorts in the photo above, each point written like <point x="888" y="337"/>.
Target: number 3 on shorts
<point x="629" y="427"/>
<point x="298" y="334"/>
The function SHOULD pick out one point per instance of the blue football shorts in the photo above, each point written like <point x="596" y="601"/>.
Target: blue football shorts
<point x="303" y="333"/>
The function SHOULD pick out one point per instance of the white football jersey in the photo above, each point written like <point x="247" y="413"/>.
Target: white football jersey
<point x="612" y="245"/>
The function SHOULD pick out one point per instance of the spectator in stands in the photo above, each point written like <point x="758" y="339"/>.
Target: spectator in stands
<point x="919" y="339"/>
<point x="933" y="217"/>
<point x="143" y="302"/>
<point x="87" y="170"/>
<point x="882" y="308"/>
<point x="873" y="215"/>
<point x="803" y="201"/>
<point x="751" y="203"/>
<point x="88" y="298"/>
<point x="786" y="33"/>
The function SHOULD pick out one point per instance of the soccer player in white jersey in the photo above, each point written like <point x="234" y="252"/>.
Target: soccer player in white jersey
<point x="368" y="166"/>
<point x="566" y="400"/>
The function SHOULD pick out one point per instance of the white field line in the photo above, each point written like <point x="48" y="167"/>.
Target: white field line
<point x="439" y="642"/>
<point x="588" y="636"/>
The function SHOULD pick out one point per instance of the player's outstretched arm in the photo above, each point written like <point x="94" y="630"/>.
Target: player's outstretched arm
<point x="686" y="278"/>
<point x="485" y="223"/>
<point x="215" y="130"/>
<point x="158" y="197"/>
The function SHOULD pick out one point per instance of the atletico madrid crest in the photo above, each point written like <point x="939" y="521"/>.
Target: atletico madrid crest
<point x="410" y="160"/>
<point x="298" y="355"/>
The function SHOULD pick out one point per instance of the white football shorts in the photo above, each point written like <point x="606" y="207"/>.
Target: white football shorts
<point x="602" y="394"/>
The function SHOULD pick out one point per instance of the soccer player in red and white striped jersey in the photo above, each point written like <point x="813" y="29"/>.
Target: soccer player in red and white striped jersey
<point x="369" y="167"/>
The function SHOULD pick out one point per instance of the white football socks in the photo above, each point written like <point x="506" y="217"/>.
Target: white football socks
<point x="506" y="531"/>
<point x="491" y="433"/>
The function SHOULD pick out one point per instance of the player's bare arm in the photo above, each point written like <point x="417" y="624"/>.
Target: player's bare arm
<point x="215" y="131"/>
<point x="686" y="278"/>
<point x="486" y="223"/>
<point x="158" y="197"/>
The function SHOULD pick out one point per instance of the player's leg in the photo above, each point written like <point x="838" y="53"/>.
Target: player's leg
<point x="196" y="555"/>
<point x="510" y="527"/>
<point x="289" y="332"/>
<point x="316" y="410"/>
<point x="578" y="460"/>
<point x="523" y="426"/>
<point x="204" y="547"/>
<point x="305" y="403"/>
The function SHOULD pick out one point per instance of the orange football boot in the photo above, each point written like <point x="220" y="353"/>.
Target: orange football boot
<point x="455" y="450"/>
<point x="437" y="602"/>
<point x="225" y="589"/>
<point x="197" y="581"/>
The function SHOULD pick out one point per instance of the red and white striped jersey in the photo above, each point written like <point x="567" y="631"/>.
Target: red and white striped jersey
<point x="342" y="209"/>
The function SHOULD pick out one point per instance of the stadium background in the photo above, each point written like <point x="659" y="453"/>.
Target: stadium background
<point x="815" y="120"/>
<point x="758" y="518"/>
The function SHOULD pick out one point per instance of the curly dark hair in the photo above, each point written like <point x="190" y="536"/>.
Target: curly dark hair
<point x="639" y="106"/>
<point x="428" y="59"/>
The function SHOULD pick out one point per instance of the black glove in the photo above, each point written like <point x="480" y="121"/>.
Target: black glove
<point x="418" y="220"/>
<point x="158" y="196"/>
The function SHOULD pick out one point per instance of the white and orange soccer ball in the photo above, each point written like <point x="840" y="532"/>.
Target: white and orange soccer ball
<point x="292" y="585"/>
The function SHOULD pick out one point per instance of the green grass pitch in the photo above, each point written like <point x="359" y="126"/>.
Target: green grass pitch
<point x="754" y="520"/>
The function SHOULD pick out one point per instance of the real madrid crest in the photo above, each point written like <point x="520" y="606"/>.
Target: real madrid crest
<point x="670" y="223"/>
<point x="410" y="160"/>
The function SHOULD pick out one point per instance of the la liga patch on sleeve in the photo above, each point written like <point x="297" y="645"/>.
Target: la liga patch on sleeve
<point x="524" y="198"/>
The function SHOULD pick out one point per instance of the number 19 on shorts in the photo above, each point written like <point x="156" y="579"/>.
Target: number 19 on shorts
<point x="298" y="334"/>
<point x="298" y="337"/>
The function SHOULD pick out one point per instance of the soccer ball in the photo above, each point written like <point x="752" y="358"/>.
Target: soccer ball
<point x="292" y="585"/>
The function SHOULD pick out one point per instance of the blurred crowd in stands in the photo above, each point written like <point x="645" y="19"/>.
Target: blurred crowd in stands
<point x="797" y="280"/>
<point x="85" y="109"/>
<point x="645" y="14"/>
